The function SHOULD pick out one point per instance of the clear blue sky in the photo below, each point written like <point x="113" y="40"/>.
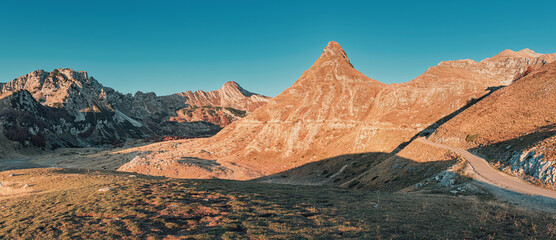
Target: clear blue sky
<point x="174" y="46"/>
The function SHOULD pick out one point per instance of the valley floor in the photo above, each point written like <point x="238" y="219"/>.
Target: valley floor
<point x="79" y="158"/>
<point x="494" y="182"/>
<point x="66" y="203"/>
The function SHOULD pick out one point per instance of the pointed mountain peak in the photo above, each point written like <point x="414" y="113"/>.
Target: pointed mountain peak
<point x="334" y="46"/>
<point x="333" y="65"/>
<point x="333" y="51"/>
<point x="232" y="86"/>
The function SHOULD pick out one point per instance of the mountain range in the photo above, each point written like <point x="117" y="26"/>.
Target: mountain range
<point x="334" y="125"/>
<point x="67" y="108"/>
<point x="358" y="129"/>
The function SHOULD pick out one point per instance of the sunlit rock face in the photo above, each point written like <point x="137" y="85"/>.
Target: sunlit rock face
<point x="333" y="109"/>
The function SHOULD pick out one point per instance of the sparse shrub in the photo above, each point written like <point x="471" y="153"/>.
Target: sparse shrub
<point x="117" y="143"/>
<point x="237" y="112"/>
<point x="472" y="137"/>
<point x="471" y="101"/>
<point x="18" y="134"/>
<point x="38" y="140"/>
<point x="353" y="183"/>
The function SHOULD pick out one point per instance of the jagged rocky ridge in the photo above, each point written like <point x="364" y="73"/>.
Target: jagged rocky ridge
<point x="70" y="108"/>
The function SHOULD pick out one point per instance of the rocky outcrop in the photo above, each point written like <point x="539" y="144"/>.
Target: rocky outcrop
<point x="94" y="114"/>
<point x="26" y="121"/>
<point x="530" y="163"/>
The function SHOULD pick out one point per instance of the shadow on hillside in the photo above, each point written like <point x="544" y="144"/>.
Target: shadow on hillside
<point x="18" y="163"/>
<point x="504" y="150"/>
<point x="199" y="161"/>
<point x="385" y="172"/>
<point x="350" y="168"/>
<point x="431" y="128"/>
<point x="516" y="144"/>
<point x="370" y="171"/>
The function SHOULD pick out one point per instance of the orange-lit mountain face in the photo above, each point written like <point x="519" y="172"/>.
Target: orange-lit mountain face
<point x="333" y="110"/>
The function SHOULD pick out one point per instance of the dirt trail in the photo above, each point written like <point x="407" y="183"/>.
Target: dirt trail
<point x="494" y="177"/>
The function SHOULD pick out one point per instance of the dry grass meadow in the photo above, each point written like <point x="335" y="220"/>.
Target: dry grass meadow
<point x="81" y="204"/>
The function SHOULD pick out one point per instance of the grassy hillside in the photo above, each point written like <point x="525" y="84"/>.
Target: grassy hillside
<point x="62" y="203"/>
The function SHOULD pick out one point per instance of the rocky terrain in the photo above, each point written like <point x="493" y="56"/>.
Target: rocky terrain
<point x="513" y="127"/>
<point x="67" y="108"/>
<point x="334" y="112"/>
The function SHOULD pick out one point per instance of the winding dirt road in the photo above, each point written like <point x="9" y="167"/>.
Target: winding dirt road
<point x="492" y="176"/>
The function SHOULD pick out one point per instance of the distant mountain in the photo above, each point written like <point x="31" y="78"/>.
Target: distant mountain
<point x="70" y="108"/>
<point x="221" y="107"/>
<point x="333" y="110"/>
<point x="231" y="95"/>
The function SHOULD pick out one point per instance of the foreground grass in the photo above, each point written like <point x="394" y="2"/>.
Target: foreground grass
<point x="61" y="203"/>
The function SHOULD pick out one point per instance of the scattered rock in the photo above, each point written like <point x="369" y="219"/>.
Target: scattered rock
<point x="532" y="162"/>
<point x="446" y="178"/>
<point x="106" y="189"/>
<point x="12" y="175"/>
<point x="26" y="186"/>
